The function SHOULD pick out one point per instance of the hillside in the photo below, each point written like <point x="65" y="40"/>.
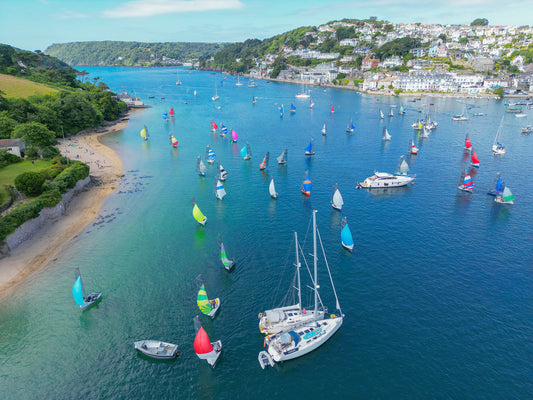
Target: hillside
<point x="115" y="53"/>
<point x="13" y="87"/>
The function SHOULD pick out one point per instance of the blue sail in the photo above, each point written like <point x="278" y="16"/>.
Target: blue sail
<point x="309" y="147"/>
<point x="244" y="151"/>
<point x="77" y="292"/>
<point x="224" y="130"/>
<point x="352" y="126"/>
<point x="499" y="185"/>
<point x="293" y="108"/>
<point x="346" y="236"/>
<point x="281" y="111"/>
<point x="307" y="184"/>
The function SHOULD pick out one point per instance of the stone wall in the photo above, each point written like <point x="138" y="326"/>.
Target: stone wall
<point x="29" y="228"/>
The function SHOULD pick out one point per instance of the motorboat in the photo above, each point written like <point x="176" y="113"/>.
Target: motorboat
<point x="385" y="180"/>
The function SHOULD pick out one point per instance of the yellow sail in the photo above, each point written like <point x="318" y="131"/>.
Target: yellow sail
<point x="203" y="301"/>
<point x="198" y="216"/>
<point x="144" y="133"/>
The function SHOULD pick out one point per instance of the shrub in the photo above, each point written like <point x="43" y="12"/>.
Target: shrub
<point x="30" y="183"/>
<point x="32" y="153"/>
<point x="68" y="178"/>
<point x="18" y="216"/>
<point x="8" y="158"/>
<point x="50" y="152"/>
<point x="50" y="198"/>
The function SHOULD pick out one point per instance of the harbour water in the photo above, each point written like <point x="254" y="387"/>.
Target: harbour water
<point x="437" y="295"/>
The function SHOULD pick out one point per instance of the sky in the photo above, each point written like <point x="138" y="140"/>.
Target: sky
<point x="37" y="24"/>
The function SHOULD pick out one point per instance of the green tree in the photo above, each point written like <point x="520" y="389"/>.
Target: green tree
<point x="463" y="40"/>
<point x="480" y="22"/>
<point x="34" y="134"/>
<point x="7" y="125"/>
<point x="499" y="92"/>
<point x="30" y="183"/>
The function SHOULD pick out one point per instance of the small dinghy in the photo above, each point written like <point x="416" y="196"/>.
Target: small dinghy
<point x="78" y="293"/>
<point x="156" y="348"/>
<point x="265" y="359"/>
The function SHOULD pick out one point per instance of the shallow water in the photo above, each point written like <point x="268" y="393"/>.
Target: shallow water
<point x="437" y="294"/>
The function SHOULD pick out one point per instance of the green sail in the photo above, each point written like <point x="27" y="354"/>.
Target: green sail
<point x="203" y="301"/>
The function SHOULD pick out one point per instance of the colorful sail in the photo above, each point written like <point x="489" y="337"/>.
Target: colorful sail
<point x="264" y="163"/>
<point x="220" y="192"/>
<point x="468" y="144"/>
<point x="171" y="112"/>
<point x="281" y="111"/>
<point x="403" y="167"/>
<point x="332" y="110"/>
<point x="498" y="186"/>
<point x="468" y="184"/>
<point x="311" y="104"/>
<point x="200" y="167"/>
<point x="402" y="110"/>
<point x="234" y="136"/>
<point x="346" y="235"/>
<point x="309" y="148"/>
<point x="210" y="155"/>
<point x="475" y="159"/>
<point x="174" y="141"/>
<point x="243" y="151"/>
<point x="227" y="262"/>
<point x="144" y="133"/>
<point x="223" y="130"/>
<point x="77" y="292"/>
<point x="202" y="345"/>
<point x="506" y="197"/>
<point x="214" y="126"/>
<point x="412" y="149"/>
<point x="203" y="302"/>
<point x="307" y="186"/>
<point x="222" y="172"/>
<point x="198" y="216"/>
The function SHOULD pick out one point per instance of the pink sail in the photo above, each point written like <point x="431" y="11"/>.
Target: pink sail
<point x="234" y="136"/>
<point x="202" y="345"/>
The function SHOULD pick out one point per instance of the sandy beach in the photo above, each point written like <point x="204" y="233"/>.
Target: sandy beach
<point x="48" y="242"/>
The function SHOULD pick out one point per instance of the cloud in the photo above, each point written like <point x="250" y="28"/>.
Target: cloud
<point x="70" y="15"/>
<point x="148" y="8"/>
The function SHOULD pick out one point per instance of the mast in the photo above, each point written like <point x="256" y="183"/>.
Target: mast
<point x="298" y="271"/>
<point x="315" y="263"/>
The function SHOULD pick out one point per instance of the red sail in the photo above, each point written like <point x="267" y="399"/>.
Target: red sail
<point x="213" y="125"/>
<point x="475" y="160"/>
<point x="202" y="345"/>
<point x="171" y="112"/>
<point x="467" y="143"/>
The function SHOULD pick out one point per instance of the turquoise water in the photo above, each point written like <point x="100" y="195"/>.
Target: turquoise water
<point x="437" y="294"/>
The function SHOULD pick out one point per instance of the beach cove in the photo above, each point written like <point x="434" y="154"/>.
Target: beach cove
<point x="436" y="293"/>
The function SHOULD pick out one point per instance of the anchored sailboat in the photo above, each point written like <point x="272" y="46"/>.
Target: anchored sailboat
<point x="197" y="214"/>
<point x="497" y="147"/>
<point x="346" y="235"/>
<point x="307" y="337"/>
<point x="336" y="198"/>
<point x="203" y="347"/>
<point x="79" y="294"/>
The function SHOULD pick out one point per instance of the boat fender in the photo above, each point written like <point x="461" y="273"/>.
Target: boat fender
<point x="332" y="316"/>
<point x="260" y="315"/>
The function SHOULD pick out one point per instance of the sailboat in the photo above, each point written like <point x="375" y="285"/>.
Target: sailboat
<point x="272" y="190"/>
<point x="417" y="125"/>
<point x="350" y="128"/>
<point x="222" y="172"/>
<point x="475" y="160"/>
<point x="346" y="235"/>
<point x="381" y="115"/>
<point x="214" y="126"/>
<point x="309" y="149"/>
<point x="293" y="109"/>
<point x="254" y="100"/>
<point x="412" y="149"/>
<point x="195" y="93"/>
<point x="207" y="307"/>
<point x="286" y="317"/>
<point x="336" y="198"/>
<point x="307" y="185"/>
<point x="178" y="82"/>
<point x="324" y="130"/>
<point x="264" y="163"/>
<point x="311" y="104"/>
<point x="197" y="214"/>
<point x="505" y="197"/>
<point x="385" y="135"/>
<point x="466" y="183"/>
<point x="210" y="155"/>
<point x="498" y="186"/>
<point x="461" y="117"/>
<point x="144" y="133"/>
<point x="305" y="338"/>
<point x="239" y="81"/>
<point x="228" y="263"/>
<point x="402" y="110"/>
<point x="281" y="111"/>
<point x="402" y="168"/>
<point x="174" y="141"/>
<point x="425" y="132"/>
<point x="200" y="167"/>
<point x="215" y="97"/>
<point x="79" y="294"/>
<point x="171" y="112"/>
<point x="332" y="109"/>
<point x="304" y="94"/>
<point x="391" y="112"/>
<point x="497" y="147"/>
<point x="246" y="152"/>
<point x="252" y="84"/>
<point x="220" y="192"/>
<point x="282" y="159"/>
<point x="234" y="136"/>
<point x="223" y="131"/>
<point x="203" y="347"/>
<point x="468" y="144"/>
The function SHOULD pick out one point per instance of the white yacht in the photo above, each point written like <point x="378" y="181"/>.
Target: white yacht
<point x="384" y="180"/>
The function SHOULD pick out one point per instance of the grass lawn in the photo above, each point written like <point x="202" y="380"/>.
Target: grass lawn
<point x="9" y="173"/>
<point x="23" y="88"/>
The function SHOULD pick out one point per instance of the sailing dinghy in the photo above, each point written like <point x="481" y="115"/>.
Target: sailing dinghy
<point x="220" y="192"/>
<point x="234" y="136"/>
<point x="498" y="186"/>
<point x="346" y="235"/>
<point x="78" y="293"/>
<point x="336" y="198"/>
<point x="204" y="349"/>
<point x="307" y="186"/>
<point x="156" y="348"/>
<point x="222" y="173"/>
<point x="144" y="133"/>
<point x="385" y="135"/>
<point x="282" y="159"/>
<point x="174" y="141"/>
<point x="505" y="197"/>
<point x="264" y="163"/>
<point x="228" y="263"/>
<point x="197" y="214"/>
<point x="412" y="149"/>
<point x="272" y="190"/>
<point x="207" y="307"/>
<point x="200" y="167"/>
<point x="466" y="183"/>
<point x="468" y="144"/>
<point x="324" y="130"/>
<point x="210" y="155"/>
<point x="223" y="131"/>
<point x="309" y="149"/>
<point x="214" y="126"/>
<point x="475" y="160"/>
<point x="351" y="127"/>
<point x="497" y="147"/>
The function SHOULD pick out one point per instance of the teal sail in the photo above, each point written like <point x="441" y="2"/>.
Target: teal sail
<point x="77" y="292"/>
<point x="244" y="150"/>
<point x="346" y="235"/>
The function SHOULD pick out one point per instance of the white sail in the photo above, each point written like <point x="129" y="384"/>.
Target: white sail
<point x="272" y="189"/>
<point x="386" y="135"/>
<point x="220" y="192"/>
<point x="336" y="198"/>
